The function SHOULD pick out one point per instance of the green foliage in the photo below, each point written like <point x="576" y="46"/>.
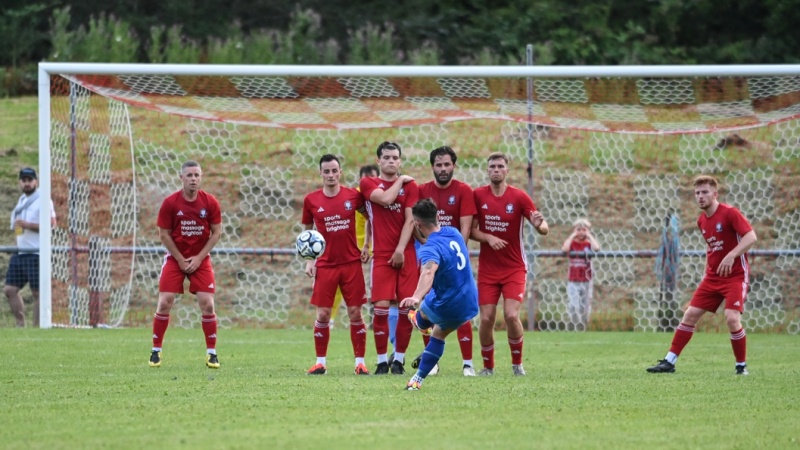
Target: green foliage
<point x="18" y="35"/>
<point x="583" y="390"/>
<point x="373" y="44"/>
<point x="427" y="55"/>
<point x="106" y="39"/>
<point x="228" y="50"/>
<point x="179" y="49"/>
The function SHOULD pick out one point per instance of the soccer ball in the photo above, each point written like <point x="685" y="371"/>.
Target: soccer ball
<point x="310" y="244"/>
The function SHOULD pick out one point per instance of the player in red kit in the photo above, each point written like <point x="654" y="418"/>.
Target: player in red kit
<point x="456" y="208"/>
<point x="190" y="225"/>
<point x="502" y="267"/>
<point x="728" y="235"/>
<point x="389" y="199"/>
<point x="332" y="210"/>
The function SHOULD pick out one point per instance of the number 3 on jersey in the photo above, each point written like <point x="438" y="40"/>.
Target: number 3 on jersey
<point x="461" y="260"/>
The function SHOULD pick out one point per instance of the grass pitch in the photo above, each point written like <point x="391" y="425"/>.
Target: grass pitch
<point x="66" y="388"/>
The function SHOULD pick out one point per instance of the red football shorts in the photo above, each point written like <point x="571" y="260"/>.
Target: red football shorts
<point x="172" y="277"/>
<point x="510" y="285"/>
<point x="712" y="292"/>
<point x="349" y="277"/>
<point x="388" y="283"/>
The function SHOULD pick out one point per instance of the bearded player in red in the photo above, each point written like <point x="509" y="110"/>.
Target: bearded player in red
<point x="502" y="267"/>
<point x="190" y="225"/>
<point x="333" y="211"/>
<point x="728" y="235"/>
<point x="456" y="208"/>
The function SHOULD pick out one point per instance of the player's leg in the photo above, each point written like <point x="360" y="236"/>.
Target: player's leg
<point x="326" y="282"/>
<point x="383" y="286"/>
<point x="407" y="279"/>
<point x="170" y="283"/>
<point x="516" y="333"/>
<point x="433" y="351"/>
<point x="735" y="293"/>
<point x="203" y="285"/>
<point x="15" y="282"/>
<point x="513" y="291"/>
<point x="464" y="334"/>
<point x="488" y="296"/>
<point x="426" y="334"/>
<point x="355" y="296"/>
<point x="705" y="298"/>
<point x="393" y="315"/>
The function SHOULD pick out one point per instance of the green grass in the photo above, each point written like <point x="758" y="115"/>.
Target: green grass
<point x="93" y="389"/>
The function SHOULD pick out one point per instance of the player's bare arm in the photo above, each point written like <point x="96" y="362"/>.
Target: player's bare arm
<point x="194" y="262"/>
<point x="726" y="265"/>
<point x="465" y="226"/>
<point x="424" y="285"/>
<point x="365" y="254"/>
<point x="398" y="258"/>
<point x="480" y="236"/>
<point x="166" y="239"/>
<point x="311" y="268"/>
<point x="537" y="220"/>
<point x="388" y="196"/>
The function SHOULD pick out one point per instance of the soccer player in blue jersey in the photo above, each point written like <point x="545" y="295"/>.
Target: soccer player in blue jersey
<point x="445" y="268"/>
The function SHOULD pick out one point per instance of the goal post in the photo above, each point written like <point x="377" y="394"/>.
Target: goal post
<point x="616" y="144"/>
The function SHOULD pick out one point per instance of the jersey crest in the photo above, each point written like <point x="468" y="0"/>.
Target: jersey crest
<point x="509" y="208"/>
<point x="452" y="200"/>
<point x="203" y="213"/>
<point x="348" y="206"/>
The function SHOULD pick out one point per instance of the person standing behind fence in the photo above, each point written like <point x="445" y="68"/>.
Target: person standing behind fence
<point x="23" y="268"/>
<point x="190" y="225"/>
<point x="502" y="266"/>
<point x="579" y="278"/>
<point x="729" y="236"/>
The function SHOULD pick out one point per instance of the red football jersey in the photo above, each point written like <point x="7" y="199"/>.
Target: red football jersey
<point x="502" y="217"/>
<point x="722" y="232"/>
<point x="454" y="201"/>
<point x="388" y="221"/>
<point x="189" y="222"/>
<point x="335" y="218"/>
<point x="580" y="267"/>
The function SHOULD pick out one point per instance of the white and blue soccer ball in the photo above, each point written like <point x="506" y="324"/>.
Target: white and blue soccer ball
<point x="310" y="244"/>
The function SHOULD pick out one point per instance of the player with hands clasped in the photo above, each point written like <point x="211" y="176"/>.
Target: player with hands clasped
<point x="446" y="269"/>
<point x="190" y="225"/>
<point x="728" y="235"/>
<point x="502" y="267"/>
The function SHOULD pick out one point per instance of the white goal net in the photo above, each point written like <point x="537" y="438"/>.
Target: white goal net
<point x="618" y="146"/>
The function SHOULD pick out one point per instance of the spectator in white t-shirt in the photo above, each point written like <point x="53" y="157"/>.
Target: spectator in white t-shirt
<point x="23" y="267"/>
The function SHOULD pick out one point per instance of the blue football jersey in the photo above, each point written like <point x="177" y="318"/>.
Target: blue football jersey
<point x="456" y="296"/>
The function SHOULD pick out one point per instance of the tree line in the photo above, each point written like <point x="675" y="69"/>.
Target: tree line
<point x="396" y="32"/>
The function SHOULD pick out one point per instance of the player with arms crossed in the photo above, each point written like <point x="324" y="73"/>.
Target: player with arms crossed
<point x="728" y="235"/>
<point x="333" y="211"/>
<point x="502" y="267"/>
<point x="456" y="209"/>
<point x="446" y="269"/>
<point x="390" y="197"/>
<point x="190" y="225"/>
